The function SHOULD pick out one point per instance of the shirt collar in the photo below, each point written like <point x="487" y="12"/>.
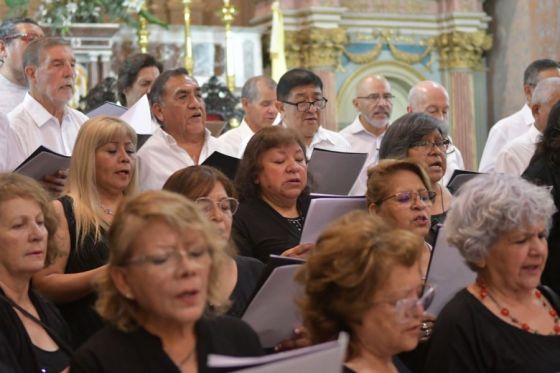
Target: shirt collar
<point x="38" y="113"/>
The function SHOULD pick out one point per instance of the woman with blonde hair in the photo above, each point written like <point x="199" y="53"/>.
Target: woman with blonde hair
<point x="163" y="271"/>
<point x="102" y="173"/>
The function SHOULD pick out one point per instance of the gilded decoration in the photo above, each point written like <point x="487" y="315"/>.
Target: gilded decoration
<point x="390" y="39"/>
<point x="389" y="6"/>
<point x="463" y="49"/>
<point x="315" y="47"/>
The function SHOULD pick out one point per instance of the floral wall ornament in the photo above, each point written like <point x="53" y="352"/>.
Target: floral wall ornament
<point x="61" y="14"/>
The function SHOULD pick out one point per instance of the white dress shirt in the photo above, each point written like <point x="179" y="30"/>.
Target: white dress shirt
<point x="31" y="126"/>
<point x="328" y="140"/>
<point x="454" y="162"/>
<point x="161" y="156"/>
<point x="237" y="137"/>
<point x="12" y="95"/>
<point x="501" y="133"/>
<point x="4" y="124"/>
<point x="515" y="157"/>
<point x="362" y="141"/>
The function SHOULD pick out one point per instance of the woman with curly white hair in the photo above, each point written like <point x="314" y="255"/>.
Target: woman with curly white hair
<point x="502" y="322"/>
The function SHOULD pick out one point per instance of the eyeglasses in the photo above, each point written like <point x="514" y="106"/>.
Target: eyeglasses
<point x="428" y="145"/>
<point x="171" y="259"/>
<point x="226" y="206"/>
<point x="374" y="98"/>
<point x="405" y="198"/>
<point x="306" y="105"/>
<point x="24" y="36"/>
<point x="407" y="308"/>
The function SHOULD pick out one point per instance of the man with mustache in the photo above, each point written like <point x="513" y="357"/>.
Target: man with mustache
<point x="182" y="140"/>
<point x="44" y="118"/>
<point x="300" y="104"/>
<point x="432" y="98"/>
<point x="374" y="102"/>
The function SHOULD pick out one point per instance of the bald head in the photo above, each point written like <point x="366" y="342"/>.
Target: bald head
<point x="374" y="102"/>
<point x="429" y="97"/>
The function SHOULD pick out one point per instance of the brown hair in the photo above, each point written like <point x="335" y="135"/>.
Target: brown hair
<point x="251" y="163"/>
<point x="14" y="185"/>
<point x="378" y="178"/>
<point x="134" y="215"/>
<point x="350" y="263"/>
<point x="197" y="181"/>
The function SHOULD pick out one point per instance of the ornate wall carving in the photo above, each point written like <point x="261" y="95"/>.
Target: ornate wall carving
<point x="459" y="49"/>
<point x="315" y="47"/>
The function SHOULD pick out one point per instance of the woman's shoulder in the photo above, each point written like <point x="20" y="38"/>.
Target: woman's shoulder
<point x="249" y="264"/>
<point x="221" y="334"/>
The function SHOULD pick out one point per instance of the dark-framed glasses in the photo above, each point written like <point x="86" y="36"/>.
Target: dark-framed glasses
<point x="225" y="205"/>
<point x="442" y="145"/>
<point x="24" y="36"/>
<point x="374" y="98"/>
<point x="171" y="259"/>
<point x="406" y="198"/>
<point x="306" y="105"/>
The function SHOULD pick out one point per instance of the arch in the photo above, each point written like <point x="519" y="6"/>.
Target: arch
<point x="400" y="75"/>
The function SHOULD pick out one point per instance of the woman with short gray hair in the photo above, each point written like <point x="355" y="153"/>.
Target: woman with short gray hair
<point x="501" y="322"/>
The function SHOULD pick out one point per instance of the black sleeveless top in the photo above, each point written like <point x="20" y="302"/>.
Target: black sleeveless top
<point x="80" y="314"/>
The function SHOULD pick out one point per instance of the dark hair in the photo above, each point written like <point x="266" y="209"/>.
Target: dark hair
<point x="532" y="71"/>
<point x="128" y="72"/>
<point x="158" y="88"/>
<point x="250" y="89"/>
<point x="549" y="146"/>
<point x="8" y="26"/>
<point x="250" y="165"/>
<point x="407" y="130"/>
<point x="33" y="55"/>
<point x="296" y="78"/>
<point x="197" y="181"/>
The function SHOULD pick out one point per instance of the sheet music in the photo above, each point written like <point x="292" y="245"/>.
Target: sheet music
<point x="334" y="172"/>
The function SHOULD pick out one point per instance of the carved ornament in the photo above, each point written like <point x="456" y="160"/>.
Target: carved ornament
<point x="459" y="49"/>
<point x="314" y="47"/>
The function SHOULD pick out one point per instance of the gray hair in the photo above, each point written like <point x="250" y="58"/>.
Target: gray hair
<point x="407" y="130"/>
<point x="490" y="205"/>
<point x="33" y="55"/>
<point x="545" y="89"/>
<point x="531" y="74"/>
<point x="250" y="89"/>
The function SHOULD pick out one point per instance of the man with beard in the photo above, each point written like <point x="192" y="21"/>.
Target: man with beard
<point x="374" y="102"/>
<point x="432" y="98"/>
<point x="44" y="117"/>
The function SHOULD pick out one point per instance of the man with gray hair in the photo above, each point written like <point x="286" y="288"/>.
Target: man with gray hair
<point x="43" y="118"/>
<point x="517" y="154"/>
<point x="507" y="129"/>
<point x="258" y="97"/>
<point x="15" y="35"/>
<point x="432" y="98"/>
<point x="374" y="103"/>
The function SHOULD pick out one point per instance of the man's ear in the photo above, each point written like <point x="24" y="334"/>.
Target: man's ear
<point x="408" y="109"/>
<point x="355" y="102"/>
<point x="373" y="209"/>
<point x="536" y="110"/>
<point x="279" y="106"/>
<point x="244" y="103"/>
<point x="528" y="90"/>
<point x="3" y="51"/>
<point x="157" y="112"/>
<point x="30" y="73"/>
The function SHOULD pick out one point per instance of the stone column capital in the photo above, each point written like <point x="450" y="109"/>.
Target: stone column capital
<point x="315" y="47"/>
<point x="459" y="49"/>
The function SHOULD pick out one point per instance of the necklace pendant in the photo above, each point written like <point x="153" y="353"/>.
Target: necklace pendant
<point x="504" y="311"/>
<point x="557" y="329"/>
<point x="525" y="327"/>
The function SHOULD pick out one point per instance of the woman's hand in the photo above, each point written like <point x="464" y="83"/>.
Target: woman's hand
<point x="299" y="339"/>
<point x="299" y="251"/>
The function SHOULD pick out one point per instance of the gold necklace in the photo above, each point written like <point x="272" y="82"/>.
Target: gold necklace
<point x="187" y="358"/>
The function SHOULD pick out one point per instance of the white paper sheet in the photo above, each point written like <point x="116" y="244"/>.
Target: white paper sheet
<point x="43" y="162"/>
<point x="139" y="117"/>
<point x="448" y="271"/>
<point x="272" y="313"/>
<point x="334" y="172"/>
<point x="323" y="211"/>
<point x="325" y="358"/>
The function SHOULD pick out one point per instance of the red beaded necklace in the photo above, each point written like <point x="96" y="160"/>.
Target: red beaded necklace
<point x="504" y="311"/>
